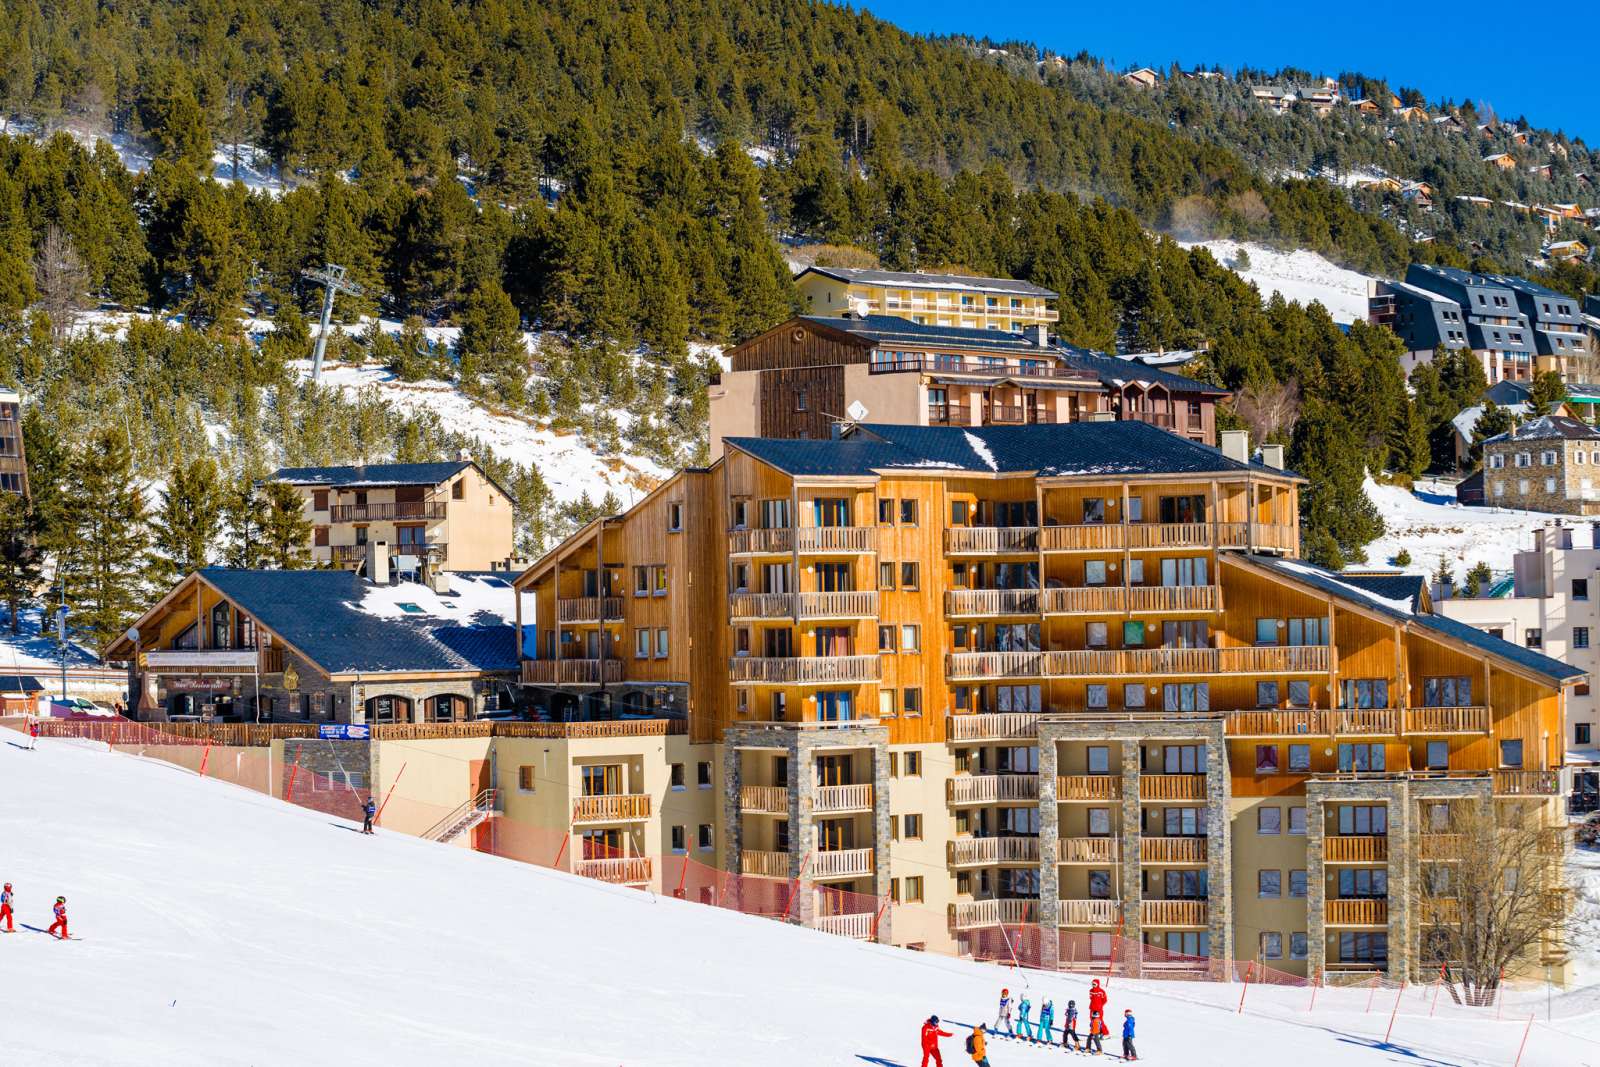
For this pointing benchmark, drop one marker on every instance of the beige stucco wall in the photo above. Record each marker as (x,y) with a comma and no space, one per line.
(479,526)
(901,398)
(922,924)
(430,779)
(734,407)
(1254,852)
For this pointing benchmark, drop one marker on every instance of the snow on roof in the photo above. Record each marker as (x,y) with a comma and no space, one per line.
(471,596)
(1312,571)
(977,444)
(1467,419)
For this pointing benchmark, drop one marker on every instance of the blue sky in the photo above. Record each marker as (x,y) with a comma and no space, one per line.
(1430,48)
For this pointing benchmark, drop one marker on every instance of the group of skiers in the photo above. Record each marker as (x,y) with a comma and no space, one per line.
(1040,1032)
(8,915)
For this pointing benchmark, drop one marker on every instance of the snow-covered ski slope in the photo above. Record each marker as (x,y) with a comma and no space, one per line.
(221,927)
(1300,276)
(1430,525)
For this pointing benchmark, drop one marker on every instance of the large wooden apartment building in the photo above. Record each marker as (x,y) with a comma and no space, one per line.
(1060,674)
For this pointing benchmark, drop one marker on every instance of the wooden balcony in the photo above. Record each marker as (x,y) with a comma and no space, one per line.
(992,789)
(1087,850)
(1088,912)
(842,863)
(1366,722)
(1355,848)
(1172,851)
(991,540)
(973,914)
(1087,537)
(266,660)
(961,602)
(1086,600)
(857,925)
(1090,787)
(992,851)
(842,799)
(1172,913)
(1290,723)
(1261,536)
(571,671)
(979,666)
(1440,848)
(993,726)
(1158,535)
(854,604)
(1247,659)
(615,807)
(764,800)
(422,510)
(1172,787)
(1437,721)
(746,606)
(1439,911)
(1358,912)
(764,864)
(775,542)
(836,540)
(1527,783)
(1174,598)
(626,870)
(593,609)
(802,670)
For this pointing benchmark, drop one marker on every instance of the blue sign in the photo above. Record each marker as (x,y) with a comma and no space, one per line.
(343,732)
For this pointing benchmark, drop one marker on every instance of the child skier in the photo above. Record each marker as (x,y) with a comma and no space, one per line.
(5,908)
(930,1040)
(977,1048)
(1047,1019)
(1024,1025)
(1127,1036)
(368,810)
(1069,1027)
(1004,1016)
(61,920)
(33,733)
(1097,1032)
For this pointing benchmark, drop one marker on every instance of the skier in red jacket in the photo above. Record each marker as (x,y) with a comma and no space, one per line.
(930,1040)
(1097,997)
(61,919)
(5,909)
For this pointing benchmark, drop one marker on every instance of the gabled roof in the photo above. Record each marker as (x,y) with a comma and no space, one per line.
(25,684)
(918,280)
(1548,428)
(1112,370)
(1392,585)
(1103,449)
(892,330)
(373,474)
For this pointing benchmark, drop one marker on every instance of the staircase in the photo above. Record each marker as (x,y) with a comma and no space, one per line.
(465,817)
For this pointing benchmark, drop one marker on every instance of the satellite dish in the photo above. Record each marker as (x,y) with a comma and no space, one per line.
(857,410)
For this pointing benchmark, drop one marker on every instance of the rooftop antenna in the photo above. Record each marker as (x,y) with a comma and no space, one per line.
(332,278)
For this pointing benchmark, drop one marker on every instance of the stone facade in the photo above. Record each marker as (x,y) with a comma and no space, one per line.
(1543,474)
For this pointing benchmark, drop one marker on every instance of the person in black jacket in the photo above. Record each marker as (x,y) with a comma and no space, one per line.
(369,811)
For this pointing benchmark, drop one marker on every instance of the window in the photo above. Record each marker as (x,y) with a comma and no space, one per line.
(1136,572)
(1269,821)
(1580,733)
(1094,572)
(913,764)
(1300,694)
(1095,697)
(1269,884)
(525,779)
(908,576)
(703,774)
(911,638)
(1438,755)
(661,643)
(911,701)
(1580,589)
(1297,883)
(1363,883)
(886,705)
(1449,692)
(1511,753)
(1099,759)
(1094,510)
(1099,822)
(659,574)
(1266,759)
(913,827)
(1549,485)
(680,837)
(1533,637)
(1363,819)
(641,644)
(1361,757)
(1184,759)
(1185,885)
(1496,462)
(885,511)
(1580,637)
(1308,631)
(1547,459)
(886,638)
(886,576)
(908,513)
(1271,945)
(675,517)
(1100,885)
(1297,820)
(1132,634)
(1186,696)
(675,777)
(1095,635)
(741,514)
(458,491)
(1297,945)
(913,890)
(704,838)
(1133,695)
(1266,631)
(1266,694)
(800,400)
(1300,759)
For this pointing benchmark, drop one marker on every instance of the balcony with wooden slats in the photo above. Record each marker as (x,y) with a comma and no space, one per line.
(842,799)
(1262,536)
(1172,787)
(979,666)
(1439,911)
(1086,537)
(1244,659)
(1072,788)
(764,864)
(991,540)
(1164,535)
(850,604)
(1440,848)
(857,925)
(992,851)
(420,510)
(1172,851)
(1294,722)
(1527,783)
(841,863)
(1171,913)
(972,914)
(1085,600)
(622,870)
(993,726)
(992,789)
(571,671)
(589,609)
(764,800)
(1169,599)
(1441,721)
(836,540)
(1087,850)
(1088,912)
(756,542)
(970,602)
(803,670)
(1366,722)
(1355,848)
(1357,912)
(611,807)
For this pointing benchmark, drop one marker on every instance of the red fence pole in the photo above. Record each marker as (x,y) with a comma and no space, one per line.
(789,904)
(205,758)
(294,771)
(562,851)
(1395,1012)
(683,876)
(1373,993)
(1111,957)
(1247,972)
(1500,995)
(1438,987)
(379,816)
(1525,1031)
(881,909)
(1316,980)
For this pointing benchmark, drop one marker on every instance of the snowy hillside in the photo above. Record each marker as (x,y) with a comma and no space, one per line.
(1429,525)
(1300,276)
(221,927)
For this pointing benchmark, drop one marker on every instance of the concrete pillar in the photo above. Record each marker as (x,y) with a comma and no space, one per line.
(1132,834)
(881,835)
(1316,886)
(1049,856)
(802,830)
(1219,856)
(1401,820)
(732,821)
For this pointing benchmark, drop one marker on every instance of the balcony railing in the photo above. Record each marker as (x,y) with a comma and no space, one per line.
(1016,415)
(842,863)
(949,415)
(958,602)
(214,660)
(1172,787)
(1086,600)
(1172,912)
(992,789)
(988,851)
(571,671)
(760,542)
(1366,722)
(764,799)
(761,605)
(589,609)
(972,914)
(962,666)
(991,540)
(1138,536)
(1088,912)
(1072,787)
(961,365)
(854,604)
(1087,850)
(764,864)
(1526,783)
(857,925)
(1166,598)
(1087,537)
(625,870)
(1439,911)
(802,670)
(841,799)
(1260,535)
(1291,723)
(1169,535)
(612,807)
(993,726)
(831,540)
(1355,848)
(1358,912)
(1447,720)
(1272,659)
(1440,847)
(424,510)
(1172,851)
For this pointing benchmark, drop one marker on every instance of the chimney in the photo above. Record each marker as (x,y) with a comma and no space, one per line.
(464,455)
(1272,456)
(1236,445)
(1039,334)
(378,562)
(439,581)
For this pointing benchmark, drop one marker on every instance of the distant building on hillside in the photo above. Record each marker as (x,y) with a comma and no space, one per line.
(957,300)
(1443,307)
(13,459)
(447,516)
(1550,463)
(1143,78)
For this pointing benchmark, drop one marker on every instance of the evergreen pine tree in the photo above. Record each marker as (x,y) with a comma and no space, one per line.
(493,357)
(286,533)
(244,514)
(20,558)
(1546,394)
(105,562)
(189,522)
(1334,507)
(1495,420)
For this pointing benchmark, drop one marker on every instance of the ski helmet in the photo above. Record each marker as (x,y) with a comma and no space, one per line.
(934,1019)
(1003,992)
(61,900)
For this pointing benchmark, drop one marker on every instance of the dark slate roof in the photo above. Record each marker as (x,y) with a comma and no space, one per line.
(320,613)
(1548,428)
(1051,450)
(1113,371)
(891,330)
(20,683)
(373,474)
(1350,587)
(1408,587)
(910,280)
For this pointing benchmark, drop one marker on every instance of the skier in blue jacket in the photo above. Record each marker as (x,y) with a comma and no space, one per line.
(1069,1027)
(1024,1026)
(1127,1036)
(368,811)
(1047,1019)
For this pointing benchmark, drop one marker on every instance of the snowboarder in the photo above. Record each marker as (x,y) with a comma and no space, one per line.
(33,733)
(1047,1020)
(369,810)
(61,920)
(976,1047)
(1069,1027)
(930,1040)
(1127,1036)
(5,909)
(1024,1024)
(1004,1017)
